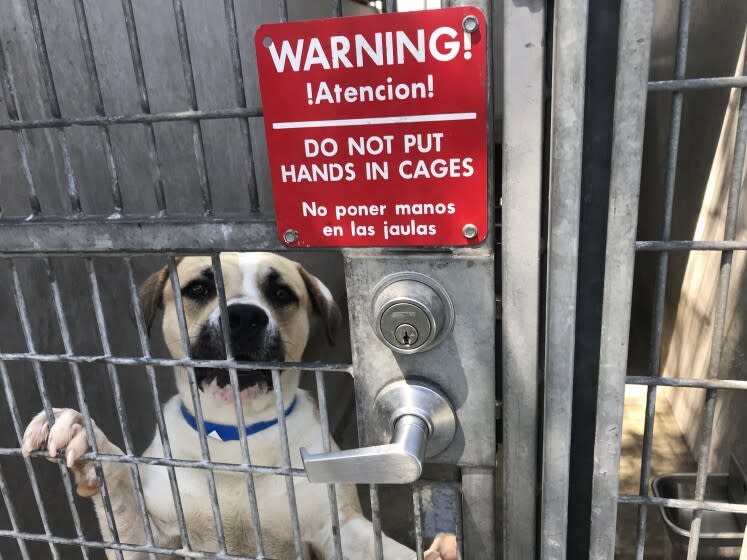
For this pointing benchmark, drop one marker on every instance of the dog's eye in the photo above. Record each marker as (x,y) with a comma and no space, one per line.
(283,296)
(197,290)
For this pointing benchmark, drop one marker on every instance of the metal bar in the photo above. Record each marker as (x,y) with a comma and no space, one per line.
(113,380)
(53,105)
(11,106)
(698,83)
(163,462)
(737,384)
(49,412)
(719,315)
(657,319)
(696,505)
(18,427)
(189,80)
(636,20)
(120,547)
(566,148)
(373,494)
(743,553)
(290,488)
(283,5)
(197,405)
(224,321)
(459,530)
(98,101)
(417,507)
(336,8)
(150,135)
(157,406)
(240,95)
(12,515)
(80,395)
(523,58)
(390,6)
(478,491)
(687,245)
(334,512)
(168,362)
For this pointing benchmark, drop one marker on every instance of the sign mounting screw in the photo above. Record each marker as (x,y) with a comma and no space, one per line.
(470,24)
(469,231)
(290,236)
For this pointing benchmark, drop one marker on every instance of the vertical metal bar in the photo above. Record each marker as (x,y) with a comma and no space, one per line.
(390,6)
(458,522)
(80,394)
(114,381)
(566,147)
(636,21)
(336,8)
(373,492)
(18,427)
(240,95)
(189,80)
(719,316)
(11,105)
(157,406)
(42,386)
(657,320)
(150,135)
(195,393)
(224,320)
(98,101)
(12,515)
(283,5)
(289,484)
(417,509)
(523,56)
(334,513)
(53,104)
(743,552)
(478,487)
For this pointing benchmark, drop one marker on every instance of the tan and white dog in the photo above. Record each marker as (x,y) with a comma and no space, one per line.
(272,303)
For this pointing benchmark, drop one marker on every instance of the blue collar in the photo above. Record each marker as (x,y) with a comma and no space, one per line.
(224,432)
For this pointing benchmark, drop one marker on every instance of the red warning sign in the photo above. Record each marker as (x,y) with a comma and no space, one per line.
(376,128)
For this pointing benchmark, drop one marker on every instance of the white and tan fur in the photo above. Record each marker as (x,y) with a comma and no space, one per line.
(244,275)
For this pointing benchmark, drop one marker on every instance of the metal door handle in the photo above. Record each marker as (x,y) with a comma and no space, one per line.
(421,421)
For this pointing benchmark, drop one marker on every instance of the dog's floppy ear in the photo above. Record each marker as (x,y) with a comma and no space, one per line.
(322,303)
(151,294)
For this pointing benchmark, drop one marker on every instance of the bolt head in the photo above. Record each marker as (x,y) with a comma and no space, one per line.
(470,24)
(290,236)
(469,231)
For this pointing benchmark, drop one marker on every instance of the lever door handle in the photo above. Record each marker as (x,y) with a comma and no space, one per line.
(421,421)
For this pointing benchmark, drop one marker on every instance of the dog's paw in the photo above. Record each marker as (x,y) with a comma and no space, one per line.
(444,547)
(67,435)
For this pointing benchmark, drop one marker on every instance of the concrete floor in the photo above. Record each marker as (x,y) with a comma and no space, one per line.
(670,454)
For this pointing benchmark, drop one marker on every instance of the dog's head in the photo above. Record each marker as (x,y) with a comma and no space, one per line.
(272,303)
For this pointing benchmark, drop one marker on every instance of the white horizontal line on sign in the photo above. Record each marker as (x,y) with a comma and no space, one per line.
(377,120)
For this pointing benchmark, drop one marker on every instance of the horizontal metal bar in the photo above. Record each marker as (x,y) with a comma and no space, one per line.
(691,245)
(171,362)
(685,382)
(699,83)
(184,234)
(135,118)
(704,505)
(124,547)
(163,462)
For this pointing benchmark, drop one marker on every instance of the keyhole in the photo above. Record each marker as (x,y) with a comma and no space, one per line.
(406,339)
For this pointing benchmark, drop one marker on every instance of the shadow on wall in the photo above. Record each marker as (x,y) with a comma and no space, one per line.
(687,351)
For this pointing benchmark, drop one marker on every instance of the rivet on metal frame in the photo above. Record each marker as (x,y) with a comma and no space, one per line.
(470,24)
(469,231)
(290,236)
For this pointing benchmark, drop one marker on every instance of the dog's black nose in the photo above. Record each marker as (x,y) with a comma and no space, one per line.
(246,320)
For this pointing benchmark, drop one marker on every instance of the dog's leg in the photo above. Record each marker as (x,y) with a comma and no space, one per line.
(68,435)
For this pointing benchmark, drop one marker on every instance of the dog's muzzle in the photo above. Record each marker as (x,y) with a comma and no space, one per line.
(252,340)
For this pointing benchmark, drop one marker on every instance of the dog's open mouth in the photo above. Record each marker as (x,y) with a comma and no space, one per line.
(262,379)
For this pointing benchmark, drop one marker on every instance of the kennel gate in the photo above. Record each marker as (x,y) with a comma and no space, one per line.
(66,239)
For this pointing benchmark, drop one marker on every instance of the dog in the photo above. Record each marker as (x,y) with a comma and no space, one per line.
(272,304)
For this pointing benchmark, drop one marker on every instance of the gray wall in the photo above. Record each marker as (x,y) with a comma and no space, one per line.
(703,167)
(226,160)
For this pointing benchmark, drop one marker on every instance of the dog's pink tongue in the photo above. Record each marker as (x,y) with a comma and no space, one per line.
(225,393)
